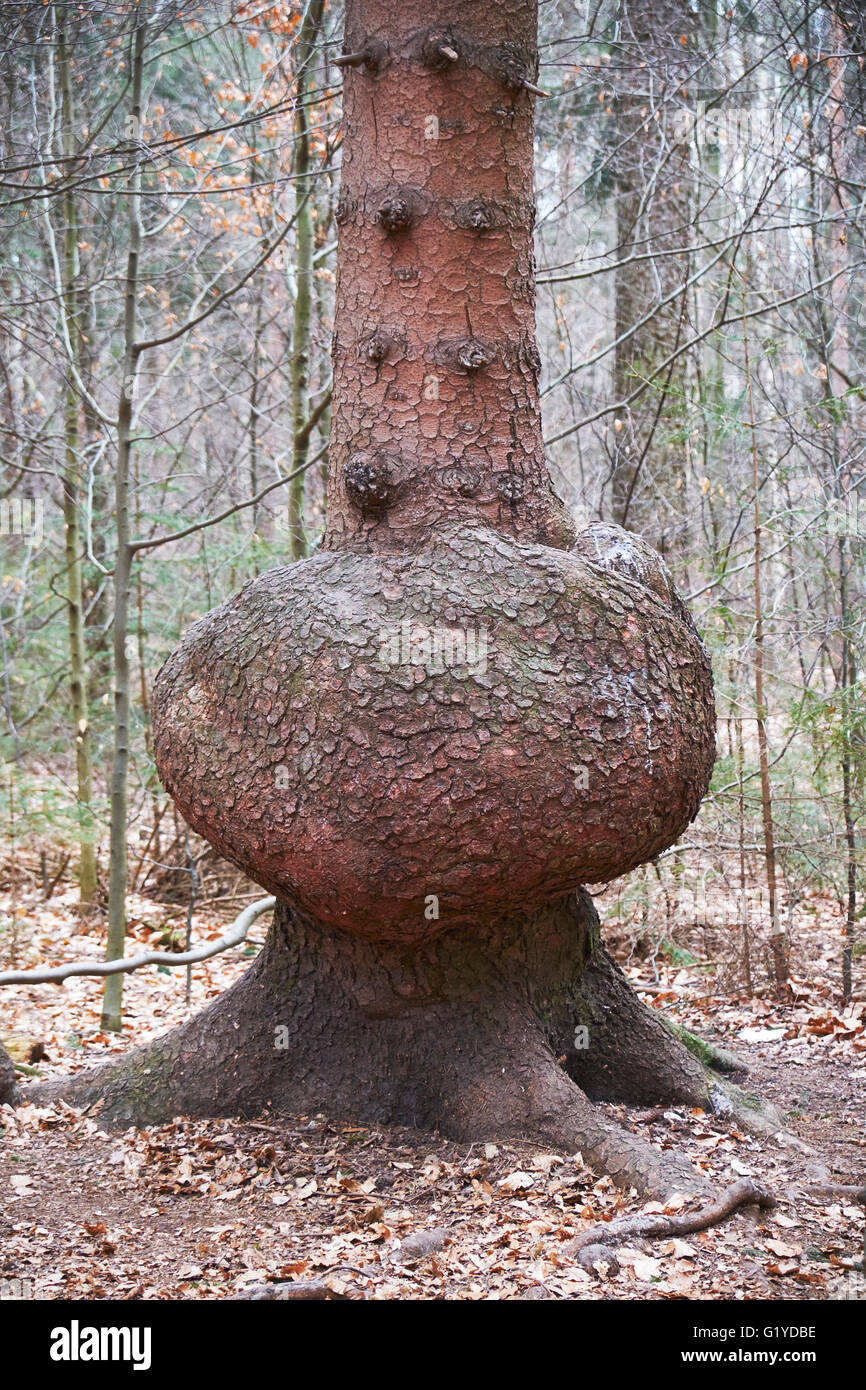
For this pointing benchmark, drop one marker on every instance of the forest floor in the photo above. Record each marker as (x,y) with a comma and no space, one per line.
(197,1210)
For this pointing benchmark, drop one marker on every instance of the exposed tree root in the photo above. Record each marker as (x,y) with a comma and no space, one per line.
(608,1233)
(749,1111)
(835,1191)
(298,1290)
(707,1053)
(510,1032)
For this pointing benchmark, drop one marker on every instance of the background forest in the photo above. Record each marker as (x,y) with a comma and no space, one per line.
(168,221)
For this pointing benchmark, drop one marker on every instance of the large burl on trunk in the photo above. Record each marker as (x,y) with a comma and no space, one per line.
(427,736)
(480,720)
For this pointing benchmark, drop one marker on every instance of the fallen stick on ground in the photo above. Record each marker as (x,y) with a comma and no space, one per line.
(58,973)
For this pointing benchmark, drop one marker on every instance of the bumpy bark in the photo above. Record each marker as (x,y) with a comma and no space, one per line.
(358,778)
(8,1079)
(473,1034)
(435,363)
(424,737)
(445,702)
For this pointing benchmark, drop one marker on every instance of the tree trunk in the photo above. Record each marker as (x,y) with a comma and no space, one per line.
(778,941)
(476,1036)
(654,218)
(835,351)
(303,315)
(71,510)
(424,801)
(113,993)
(435,411)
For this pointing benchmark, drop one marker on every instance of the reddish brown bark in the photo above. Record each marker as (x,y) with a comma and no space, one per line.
(424,819)
(474,1035)
(435,363)
(580,744)
(359,789)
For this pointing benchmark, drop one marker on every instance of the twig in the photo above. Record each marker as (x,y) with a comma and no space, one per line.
(172,959)
(49,889)
(351,60)
(157,820)
(536,91)
(190,911)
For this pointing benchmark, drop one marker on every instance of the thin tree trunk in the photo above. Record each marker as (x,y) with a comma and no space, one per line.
(71,508)
(303,316)
(653,213)
(113,995)
(253,414)
(741,846)
(839,359)
(834,346)
(777,931)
